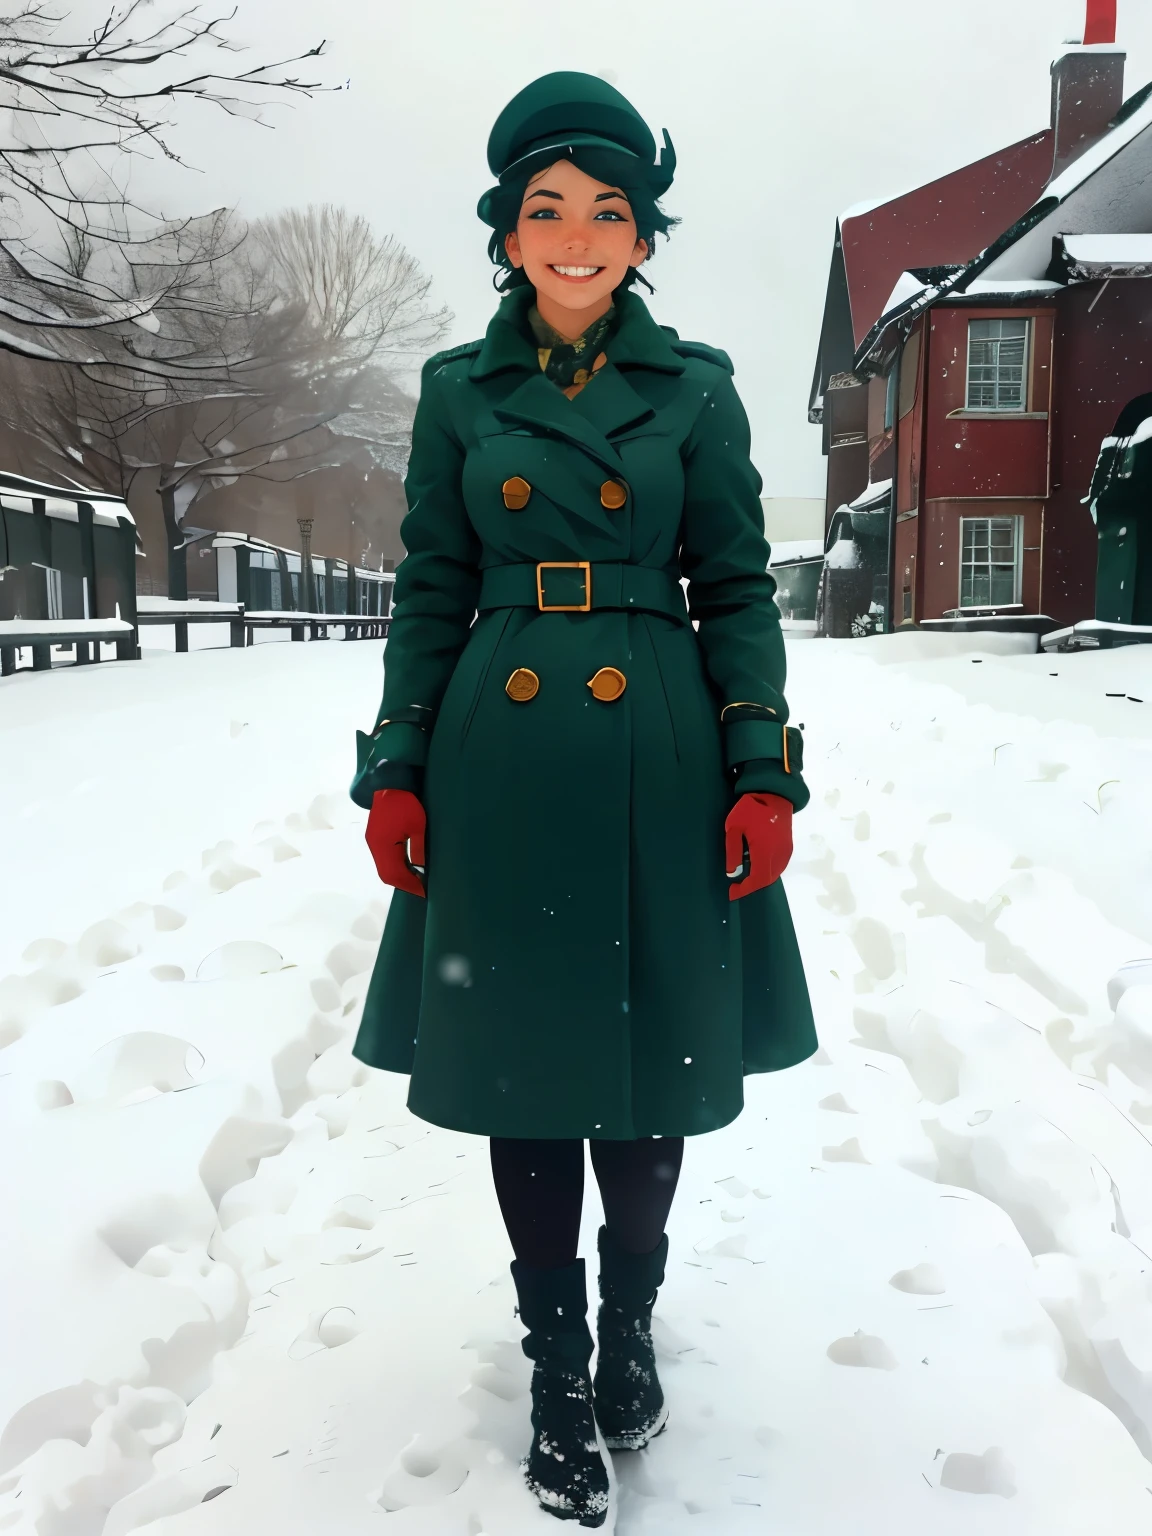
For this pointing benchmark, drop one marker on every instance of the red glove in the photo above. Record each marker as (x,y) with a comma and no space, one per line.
(764,822)
(395,818)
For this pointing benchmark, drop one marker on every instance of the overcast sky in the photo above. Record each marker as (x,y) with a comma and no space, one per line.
(782,113)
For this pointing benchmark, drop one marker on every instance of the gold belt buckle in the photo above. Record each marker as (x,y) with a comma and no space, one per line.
(551,565)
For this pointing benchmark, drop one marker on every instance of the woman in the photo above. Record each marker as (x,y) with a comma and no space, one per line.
(588,938)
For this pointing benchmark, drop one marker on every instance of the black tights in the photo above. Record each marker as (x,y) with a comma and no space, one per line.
(540,1187)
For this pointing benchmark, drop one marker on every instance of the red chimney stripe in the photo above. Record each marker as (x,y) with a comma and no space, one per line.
(1100,25)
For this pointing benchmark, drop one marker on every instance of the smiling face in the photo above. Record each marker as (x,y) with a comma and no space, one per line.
(575,239)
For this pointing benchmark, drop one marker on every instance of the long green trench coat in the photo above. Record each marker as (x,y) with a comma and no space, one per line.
(577,969)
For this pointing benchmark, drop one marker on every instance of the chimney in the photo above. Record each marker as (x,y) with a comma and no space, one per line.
(1100,22)
(1087,86)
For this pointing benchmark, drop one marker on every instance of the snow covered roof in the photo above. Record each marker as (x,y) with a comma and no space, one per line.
(945,222)
(1065,234)
(933,230)
(1088,258)
(992,224)
(872,497)
(1108,189)
(18,493)
(788,551)
(1117,248)
(250,541)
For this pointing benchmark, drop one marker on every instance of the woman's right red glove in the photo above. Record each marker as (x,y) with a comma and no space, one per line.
(397,818)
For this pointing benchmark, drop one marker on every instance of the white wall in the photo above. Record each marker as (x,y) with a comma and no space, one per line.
(793,517)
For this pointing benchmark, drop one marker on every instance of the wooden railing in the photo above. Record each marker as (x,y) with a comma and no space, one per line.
(42,634)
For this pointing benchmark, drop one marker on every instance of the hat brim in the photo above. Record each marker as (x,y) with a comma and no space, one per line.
(658,177)
(568,141)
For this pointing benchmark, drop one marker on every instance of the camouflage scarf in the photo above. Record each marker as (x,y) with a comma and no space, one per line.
(570,362)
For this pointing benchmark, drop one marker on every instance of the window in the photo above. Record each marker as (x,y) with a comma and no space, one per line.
(997,365)
(890,396)
(909,373)
(53,595)
(989,561)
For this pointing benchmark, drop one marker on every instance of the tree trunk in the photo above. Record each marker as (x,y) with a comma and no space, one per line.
(174,538)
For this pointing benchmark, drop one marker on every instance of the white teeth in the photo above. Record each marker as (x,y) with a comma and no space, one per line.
(576,271)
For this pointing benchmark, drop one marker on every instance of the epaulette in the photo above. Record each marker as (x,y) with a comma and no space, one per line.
(702,350)
(465,349)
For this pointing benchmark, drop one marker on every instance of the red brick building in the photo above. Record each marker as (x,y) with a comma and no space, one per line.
(982,335)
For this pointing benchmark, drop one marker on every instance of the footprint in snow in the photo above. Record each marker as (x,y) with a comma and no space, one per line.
(279,849)
(134,1067)
(424,1473)
(989,1473)
(862,1349)
(923,1280)
(326,1329)
(351,1211)
(242,957)
(847,1152)
(881,951)
(838,1103)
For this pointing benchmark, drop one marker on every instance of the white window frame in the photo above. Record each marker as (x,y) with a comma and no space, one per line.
(1001,410)
(53,594)
(1017,522)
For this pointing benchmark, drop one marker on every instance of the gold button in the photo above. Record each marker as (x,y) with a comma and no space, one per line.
(516,493)
(612,495)
(608,684)
(522,685)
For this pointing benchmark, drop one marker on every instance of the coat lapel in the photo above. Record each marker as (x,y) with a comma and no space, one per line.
(540,406)
(605,408)
(609,403)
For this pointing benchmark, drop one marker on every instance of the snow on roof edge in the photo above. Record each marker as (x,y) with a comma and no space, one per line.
(1106,148)
(873,493)
(788,551)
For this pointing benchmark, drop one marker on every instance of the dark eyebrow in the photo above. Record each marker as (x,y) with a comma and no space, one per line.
(603,196)
(543,192)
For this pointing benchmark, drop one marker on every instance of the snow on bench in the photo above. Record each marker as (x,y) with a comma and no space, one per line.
(43,634)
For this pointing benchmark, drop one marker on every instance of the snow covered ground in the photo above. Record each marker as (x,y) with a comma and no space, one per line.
(910,1288)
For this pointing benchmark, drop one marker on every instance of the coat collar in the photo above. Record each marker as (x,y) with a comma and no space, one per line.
(606,407)
(637,342)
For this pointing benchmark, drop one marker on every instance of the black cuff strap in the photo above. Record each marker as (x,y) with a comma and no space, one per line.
(411,714)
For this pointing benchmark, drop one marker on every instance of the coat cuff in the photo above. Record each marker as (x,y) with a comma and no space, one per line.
(764,776)
(745,740)
(395,746)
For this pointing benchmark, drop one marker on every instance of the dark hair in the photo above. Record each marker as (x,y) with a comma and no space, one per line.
(615,170)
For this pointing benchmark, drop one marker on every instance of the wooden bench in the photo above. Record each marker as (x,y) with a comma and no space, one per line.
(163,610)
(42,634)
(357,626)
(159,610)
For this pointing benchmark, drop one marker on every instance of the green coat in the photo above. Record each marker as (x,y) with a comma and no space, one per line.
(577,969)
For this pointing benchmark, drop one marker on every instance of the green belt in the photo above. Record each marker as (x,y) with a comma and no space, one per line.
(577,586)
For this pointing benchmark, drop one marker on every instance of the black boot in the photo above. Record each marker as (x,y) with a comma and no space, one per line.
(564,1468)
(629,1404)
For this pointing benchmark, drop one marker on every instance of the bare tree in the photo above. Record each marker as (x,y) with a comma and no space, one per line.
(262,357)
(366,293)
(75,110)
(78,105)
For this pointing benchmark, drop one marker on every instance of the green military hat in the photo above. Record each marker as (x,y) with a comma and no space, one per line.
(569,110)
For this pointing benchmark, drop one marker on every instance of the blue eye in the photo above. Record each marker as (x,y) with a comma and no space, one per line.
(610,213)
(544,213)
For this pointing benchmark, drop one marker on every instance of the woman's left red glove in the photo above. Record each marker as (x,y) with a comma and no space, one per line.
(396,818)
(764,822)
